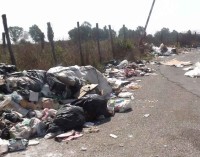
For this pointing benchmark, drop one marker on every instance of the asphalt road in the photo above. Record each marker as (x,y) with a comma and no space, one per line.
(172,128)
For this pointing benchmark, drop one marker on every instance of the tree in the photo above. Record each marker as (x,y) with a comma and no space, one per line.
(15,33)
(50,35)
(85,32)
(123,32)
(35,33)
(139,33)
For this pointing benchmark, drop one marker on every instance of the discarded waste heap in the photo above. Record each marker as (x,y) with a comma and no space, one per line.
(55,103)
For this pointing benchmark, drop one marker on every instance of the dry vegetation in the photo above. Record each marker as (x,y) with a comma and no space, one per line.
(31,56)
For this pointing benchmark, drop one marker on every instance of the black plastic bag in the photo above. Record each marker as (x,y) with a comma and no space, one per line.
(93,107)
(67,118)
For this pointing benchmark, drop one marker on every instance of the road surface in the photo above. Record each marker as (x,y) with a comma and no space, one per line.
(172,128)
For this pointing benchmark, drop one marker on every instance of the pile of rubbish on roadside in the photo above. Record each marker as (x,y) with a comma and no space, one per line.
(63,102)
(163,50)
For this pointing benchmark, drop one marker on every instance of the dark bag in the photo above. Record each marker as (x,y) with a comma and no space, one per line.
(93,107)
(67,118)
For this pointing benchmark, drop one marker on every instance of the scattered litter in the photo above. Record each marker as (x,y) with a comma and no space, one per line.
(188,68)
(83,149)
(163,50)
(17,144)
(195,72)
(125,95)
(113,135)
(130,136)
(33,142)
(3,146)
(120,105)
(146,115)
(68,136)
(88,124)
(91,130)
(133,86)
(177,63)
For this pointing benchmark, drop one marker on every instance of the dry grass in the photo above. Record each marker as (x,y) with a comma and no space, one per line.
(31,56)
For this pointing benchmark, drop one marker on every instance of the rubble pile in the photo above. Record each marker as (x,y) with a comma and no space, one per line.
(59,102)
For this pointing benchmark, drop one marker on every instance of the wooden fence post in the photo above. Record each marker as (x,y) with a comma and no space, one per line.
(79,42)
(98,44)
(12,57)
(124,30)
(111,40)
(42,41)
(4,47)
(50,38)
(177,39)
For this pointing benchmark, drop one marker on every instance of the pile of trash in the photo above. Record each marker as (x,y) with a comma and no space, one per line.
(163,50)
(60,102)
(121,78)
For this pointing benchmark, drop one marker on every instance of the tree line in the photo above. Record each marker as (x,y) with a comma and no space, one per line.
(19,35)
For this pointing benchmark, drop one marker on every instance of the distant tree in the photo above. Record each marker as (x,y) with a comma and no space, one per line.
(103,33)
(138,33)
(88,33)
(50,35)
(174,37)
(73,34)
(15,33)
(25,35)
(35,33)
(85,32)
(128,32)
(165,35)
(150,38)
(121,32)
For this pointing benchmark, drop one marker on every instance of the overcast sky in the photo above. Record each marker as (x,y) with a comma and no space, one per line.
(180,15)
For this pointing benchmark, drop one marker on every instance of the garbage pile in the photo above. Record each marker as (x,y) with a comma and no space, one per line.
(59,102)
(163,50)
(121,78)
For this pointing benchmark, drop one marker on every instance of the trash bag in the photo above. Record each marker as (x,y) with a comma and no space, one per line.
(12,117)
(93,107)
(57,87)
(23,82)
(7,68)
(4,133)
(79,74)
(17,144)
(67,118)
(39,74)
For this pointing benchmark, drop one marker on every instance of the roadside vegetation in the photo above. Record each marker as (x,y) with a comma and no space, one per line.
(38,54)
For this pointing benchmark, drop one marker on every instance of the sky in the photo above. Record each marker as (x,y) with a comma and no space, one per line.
(179,15)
